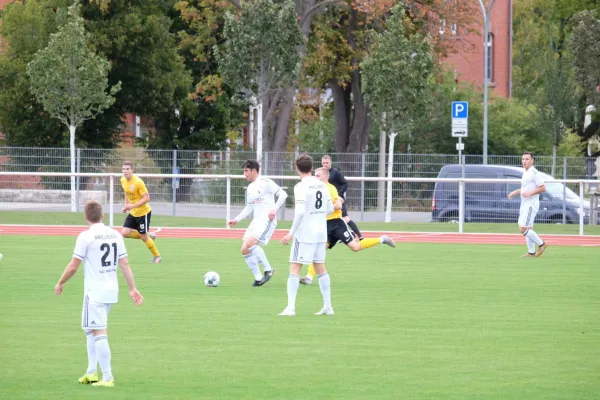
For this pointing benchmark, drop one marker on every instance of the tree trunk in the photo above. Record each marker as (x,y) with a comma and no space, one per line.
(341,111)
(72,154)
(361,125)
(283,121)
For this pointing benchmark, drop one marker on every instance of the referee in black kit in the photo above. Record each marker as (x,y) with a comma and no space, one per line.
(337,179)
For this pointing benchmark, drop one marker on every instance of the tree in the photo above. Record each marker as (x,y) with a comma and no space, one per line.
(70,80)
(340,40)
(541,33)
(585,45)
(25,28)
(397,78)
(260,54)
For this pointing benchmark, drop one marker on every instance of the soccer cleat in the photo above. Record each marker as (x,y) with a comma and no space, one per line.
(152,235)
(528,255)
(305,280)
(541,249)
(388,240)
(267,276)
(257,283)
(156,260)
(89,378)
(110,383)
(287,312)
(325,311)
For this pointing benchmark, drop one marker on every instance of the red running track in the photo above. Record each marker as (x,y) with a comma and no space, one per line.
(407,237)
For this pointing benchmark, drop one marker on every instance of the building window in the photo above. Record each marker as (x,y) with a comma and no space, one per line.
(453,28)
(489,48)
(442,27)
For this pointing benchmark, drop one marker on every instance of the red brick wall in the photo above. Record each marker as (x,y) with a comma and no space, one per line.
(468,61)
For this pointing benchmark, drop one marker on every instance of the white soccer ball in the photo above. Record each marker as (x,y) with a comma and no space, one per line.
(212,279)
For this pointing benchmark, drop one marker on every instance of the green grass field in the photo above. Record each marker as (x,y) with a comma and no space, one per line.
(64,218)
(421,321)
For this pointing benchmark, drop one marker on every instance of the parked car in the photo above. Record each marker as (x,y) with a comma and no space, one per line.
(489,202)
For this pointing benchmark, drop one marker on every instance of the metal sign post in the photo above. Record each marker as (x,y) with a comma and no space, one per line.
(460,129)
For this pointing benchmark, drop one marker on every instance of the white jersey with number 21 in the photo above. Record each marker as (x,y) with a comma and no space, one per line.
(100,248)
(312,196)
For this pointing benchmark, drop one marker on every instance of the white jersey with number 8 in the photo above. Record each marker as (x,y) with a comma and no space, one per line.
(100,248)
(313,199)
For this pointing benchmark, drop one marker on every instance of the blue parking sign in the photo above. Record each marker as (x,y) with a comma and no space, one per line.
(460,109)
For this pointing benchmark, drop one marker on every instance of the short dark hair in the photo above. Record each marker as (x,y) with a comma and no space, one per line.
(304,163)
(93,211)
(530,154)
(128,163)
(252,164)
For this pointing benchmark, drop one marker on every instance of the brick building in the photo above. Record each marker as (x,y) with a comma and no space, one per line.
(467,63)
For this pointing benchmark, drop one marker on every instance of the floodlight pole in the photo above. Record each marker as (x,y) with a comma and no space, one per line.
(486,32)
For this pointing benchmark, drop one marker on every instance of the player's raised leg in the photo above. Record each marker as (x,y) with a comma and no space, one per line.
(249,245)
(143,229)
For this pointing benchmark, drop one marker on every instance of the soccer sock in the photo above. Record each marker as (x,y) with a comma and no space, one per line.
(370,242)
(292,289)
(91,352)
(261,257)
(150,244)
(134,235)
(103,352)
(531,235)
(253,265)
(353,226)
(311,271)
(530,245)
(325,285)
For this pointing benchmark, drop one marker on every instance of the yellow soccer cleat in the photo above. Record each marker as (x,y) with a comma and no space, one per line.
(89,378)
(110,383)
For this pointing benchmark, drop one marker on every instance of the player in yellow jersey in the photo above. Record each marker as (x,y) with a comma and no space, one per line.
(137,223)
(338,230)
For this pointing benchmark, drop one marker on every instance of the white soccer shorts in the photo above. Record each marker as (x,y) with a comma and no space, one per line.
(527,216)
(306,253)
(94,315)
(261,230)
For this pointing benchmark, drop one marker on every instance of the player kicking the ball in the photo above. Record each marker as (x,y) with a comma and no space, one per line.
(532,184)
(101,249)
(260,198)
(338,230)
(312,206)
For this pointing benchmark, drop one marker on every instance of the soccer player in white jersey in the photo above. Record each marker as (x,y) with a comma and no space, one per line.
(312,206)
(101,249)
(532,184)
(260,199)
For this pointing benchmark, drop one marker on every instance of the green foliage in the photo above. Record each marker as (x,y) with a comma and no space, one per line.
(572,145)
(68,78)
(513,125)
(136,37)
(585,45)
(317,136)
(260,53)
(397,75)
(25,28)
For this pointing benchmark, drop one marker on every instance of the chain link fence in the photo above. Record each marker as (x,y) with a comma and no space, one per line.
(205,197)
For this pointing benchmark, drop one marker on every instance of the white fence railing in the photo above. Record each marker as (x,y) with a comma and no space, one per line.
(457,200)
